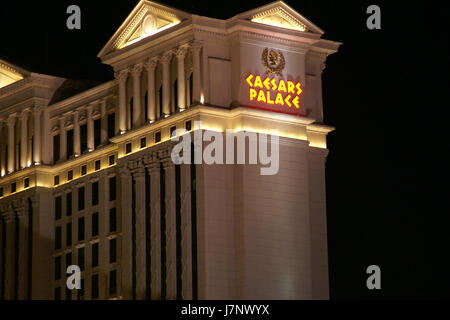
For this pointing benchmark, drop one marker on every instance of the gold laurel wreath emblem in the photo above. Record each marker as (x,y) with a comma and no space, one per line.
(275,67)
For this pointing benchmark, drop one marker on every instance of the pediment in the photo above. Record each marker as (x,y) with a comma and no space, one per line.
(10,73)
(147,18)
(279,14)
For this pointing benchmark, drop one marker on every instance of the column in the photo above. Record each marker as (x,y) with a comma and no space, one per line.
(196,87)
(104,123)
(165,60)
(181,54)
(9,220)
(138,172)
(76,134)
(171,253)
(126,289)
(153,167)
(151,95)
(186,232)
(11,141)
(37,135)
(90,128)
(122,77)
(137,108)
(23,139)
(22,214)
(62,138)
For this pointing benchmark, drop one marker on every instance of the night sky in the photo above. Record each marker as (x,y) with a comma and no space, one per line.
(387,185)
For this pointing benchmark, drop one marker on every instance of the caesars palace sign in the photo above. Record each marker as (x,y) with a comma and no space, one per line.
(271,90)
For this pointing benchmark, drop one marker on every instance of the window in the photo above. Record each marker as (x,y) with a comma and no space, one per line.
(80,292)
(95,193)
(128,148)
(80,198)
(112,282)
(58,238)
(111,125)
(95,224)
(13,187)
(143,142)
(131,112)
(58,268)
(81,229)
(146,107)
(58,207)
(157,136)
(83,170)
(172,131)
(58,293)
(112,250)
(69,141)
(68,294)
(94,287)
(97,132)
(81,260)
(56,180)
(69,175)
(83,138)
(95,255)
(112,188)
(112,220)
(97,165)
(56,148)
(69,234)
(69,204)
(1,192)
(26,182)
(188,125)
(111,160)
(68,259)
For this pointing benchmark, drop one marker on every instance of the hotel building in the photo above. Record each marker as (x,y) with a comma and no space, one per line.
(87,179)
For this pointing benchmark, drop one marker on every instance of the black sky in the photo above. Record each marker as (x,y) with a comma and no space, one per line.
(387,187)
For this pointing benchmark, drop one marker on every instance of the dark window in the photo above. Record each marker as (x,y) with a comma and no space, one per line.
(1,192)
(131,112)
(56,180)
(13,187)
(26,182)
(80,198)
(69,234)
(68,294)
(112,250)
(143,142)
(111,125)
(112,282)
(58,238)
(58,293)
(95,224)
(81,229)
(188,125)
(69,139)
(95,193)
(81,259)
(69,175)
(56,148)
(97,132)
(95,255)
(68,259)
(111,160)
(83,170)
(83,138)
(112,188)
(112,220)
(94,287)
(58,207)
(80,292)
(146,107)
(172,131)
(128,148)
(97,165)
(160,95)
(69,204)
(175,95)
(157,136)
(58,268)
(190,90)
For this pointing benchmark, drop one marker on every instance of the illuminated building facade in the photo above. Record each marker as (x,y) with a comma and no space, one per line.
(88,179)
